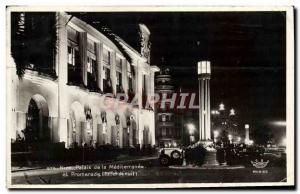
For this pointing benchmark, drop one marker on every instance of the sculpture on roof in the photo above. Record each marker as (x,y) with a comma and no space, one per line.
(145,41)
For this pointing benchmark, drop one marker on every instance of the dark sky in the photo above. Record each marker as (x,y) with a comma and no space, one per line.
(246,49)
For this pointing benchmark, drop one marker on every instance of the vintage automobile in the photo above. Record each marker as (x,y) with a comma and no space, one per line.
(170,156)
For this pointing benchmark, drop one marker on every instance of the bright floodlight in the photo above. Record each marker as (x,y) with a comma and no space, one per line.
(191,128)
(204,67)
(251,142)
(232,112)
(216,133)
(221,106)
(279,123)
(247,126)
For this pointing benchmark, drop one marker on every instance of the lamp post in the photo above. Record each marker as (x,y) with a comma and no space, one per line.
(230,138)
(104,126)
(128,123)
(247,138)
(221,107)
(191,128)
(232,112)
(216,135)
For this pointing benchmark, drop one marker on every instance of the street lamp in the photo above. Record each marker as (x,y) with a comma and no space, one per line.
(216,135)
(250,142)
(215,112)
(230,138)
(232,112)
(221,107)
(191,128)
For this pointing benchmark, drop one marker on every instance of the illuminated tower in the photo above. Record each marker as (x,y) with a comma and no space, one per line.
(166,133)
(247,138)
(204,72)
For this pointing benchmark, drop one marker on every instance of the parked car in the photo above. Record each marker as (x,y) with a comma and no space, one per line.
(170,156)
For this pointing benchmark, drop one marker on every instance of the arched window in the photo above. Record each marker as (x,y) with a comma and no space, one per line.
(32,129)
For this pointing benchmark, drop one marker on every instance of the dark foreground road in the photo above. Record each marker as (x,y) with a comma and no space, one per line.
(147,172)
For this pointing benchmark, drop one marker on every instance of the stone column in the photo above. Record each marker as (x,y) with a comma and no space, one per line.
(124,76)
(62,66)
(113,75)
(131,135)
(83,55)
(99,59)
(70,131)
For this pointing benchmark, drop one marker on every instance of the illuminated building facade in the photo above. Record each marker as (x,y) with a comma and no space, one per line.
(76,106)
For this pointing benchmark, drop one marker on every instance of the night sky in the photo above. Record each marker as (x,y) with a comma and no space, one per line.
(246,49)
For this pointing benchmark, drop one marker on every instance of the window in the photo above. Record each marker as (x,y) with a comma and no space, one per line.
(91,66)
(119,78)
(106,56)
(106,73)
(167,118)
(168,131)
(119,82)
(119,74)
(91,57)
(163,131)
(71,56)
(119,63)
(163,118)
(92,74)
(74,66)
(129,75)
(107,85)
(130,86)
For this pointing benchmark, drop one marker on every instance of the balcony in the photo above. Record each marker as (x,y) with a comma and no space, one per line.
(164,87)
(163,79)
